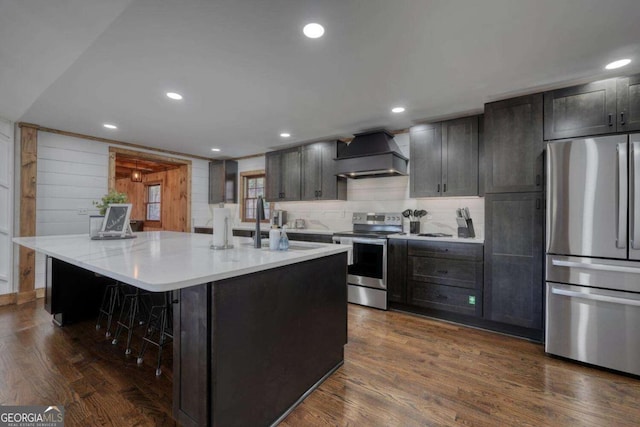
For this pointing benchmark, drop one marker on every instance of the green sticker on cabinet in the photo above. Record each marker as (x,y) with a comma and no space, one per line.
(472,300)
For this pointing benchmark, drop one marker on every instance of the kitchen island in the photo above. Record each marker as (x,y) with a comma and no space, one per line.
(254,330)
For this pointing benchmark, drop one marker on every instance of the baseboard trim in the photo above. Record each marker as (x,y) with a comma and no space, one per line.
(8,299)
(21,298)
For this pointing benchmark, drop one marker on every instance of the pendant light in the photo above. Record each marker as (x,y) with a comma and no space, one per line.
(136,175)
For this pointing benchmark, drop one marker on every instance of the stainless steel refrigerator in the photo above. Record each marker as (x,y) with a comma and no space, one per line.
(593,251)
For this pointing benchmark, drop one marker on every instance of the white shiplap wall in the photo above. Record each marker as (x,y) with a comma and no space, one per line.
(6,206)
(378,195)
(73,173)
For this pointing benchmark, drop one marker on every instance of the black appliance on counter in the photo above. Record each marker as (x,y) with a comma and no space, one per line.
(367,271)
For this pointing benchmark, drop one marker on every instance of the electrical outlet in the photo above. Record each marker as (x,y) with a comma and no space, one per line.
(83,211)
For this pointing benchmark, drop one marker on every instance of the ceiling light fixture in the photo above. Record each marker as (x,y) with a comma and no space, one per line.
(285,135)
(313,30)
(110,126)
(136,174)
(174,95)
(215,149)
(617,64)
(397,110)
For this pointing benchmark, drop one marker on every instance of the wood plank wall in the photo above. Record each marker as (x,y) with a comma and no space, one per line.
(175,205)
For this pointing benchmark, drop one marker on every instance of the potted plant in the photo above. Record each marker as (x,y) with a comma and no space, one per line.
(107,199)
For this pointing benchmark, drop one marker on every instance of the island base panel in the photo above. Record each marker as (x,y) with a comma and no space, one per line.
(72,293)
(272,336)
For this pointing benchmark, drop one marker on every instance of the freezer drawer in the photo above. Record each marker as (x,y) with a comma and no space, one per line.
(593,325)
(619,275)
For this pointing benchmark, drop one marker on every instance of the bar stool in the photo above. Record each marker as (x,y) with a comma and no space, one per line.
(110,301)
(129,313)
(159,329)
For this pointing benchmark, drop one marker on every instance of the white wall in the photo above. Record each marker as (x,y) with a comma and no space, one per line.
(6,206)
(377,195)
(73,173)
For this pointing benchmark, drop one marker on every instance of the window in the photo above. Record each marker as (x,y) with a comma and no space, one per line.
(153,197)
(252,186)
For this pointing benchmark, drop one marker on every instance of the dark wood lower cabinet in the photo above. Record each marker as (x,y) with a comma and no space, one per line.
(444,276)
(514,249)
(397,270)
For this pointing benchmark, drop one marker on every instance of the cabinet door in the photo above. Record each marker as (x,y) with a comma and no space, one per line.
(273,170)
(460,157)
(333,187)
(216,182)
(290,174)
(426,161)
(513,145)
(397,271)
(628,96)
(513,282)
(588,109)
(311,171)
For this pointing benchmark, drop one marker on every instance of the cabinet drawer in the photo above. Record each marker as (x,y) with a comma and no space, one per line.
(466,274)
(466,251)
(447,298)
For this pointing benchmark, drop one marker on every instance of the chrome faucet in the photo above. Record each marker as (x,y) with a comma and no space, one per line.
(257,243)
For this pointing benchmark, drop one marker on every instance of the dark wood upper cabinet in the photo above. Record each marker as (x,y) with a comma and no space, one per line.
(319,180)
(513,145)
(223,179)
(425,149)
(514,248)
(588,109)
(444,158)
(282,170)
(460,157)
(628,98)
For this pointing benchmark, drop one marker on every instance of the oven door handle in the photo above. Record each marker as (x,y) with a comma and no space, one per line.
(367,241)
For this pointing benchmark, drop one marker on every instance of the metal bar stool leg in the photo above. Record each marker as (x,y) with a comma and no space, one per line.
(107,308)
(127,319)
(159,321)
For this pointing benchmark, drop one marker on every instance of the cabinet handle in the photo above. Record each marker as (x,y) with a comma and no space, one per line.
(610,119)
(437,191)
(538,180)
(442,271)
(622,123)
(440,296)
(537,203)
(319,193)
(444,188)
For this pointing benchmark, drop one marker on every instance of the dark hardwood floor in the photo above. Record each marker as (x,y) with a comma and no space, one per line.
(399,370)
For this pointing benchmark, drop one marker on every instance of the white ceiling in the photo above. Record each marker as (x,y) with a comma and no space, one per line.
(247,73)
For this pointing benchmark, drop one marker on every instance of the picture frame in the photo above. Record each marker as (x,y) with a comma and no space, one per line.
(116,221)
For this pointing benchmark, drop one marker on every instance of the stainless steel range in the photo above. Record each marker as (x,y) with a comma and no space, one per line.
(367,271)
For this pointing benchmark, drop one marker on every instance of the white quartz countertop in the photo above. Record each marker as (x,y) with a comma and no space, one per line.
(160,261)
(265,227)
(452,239)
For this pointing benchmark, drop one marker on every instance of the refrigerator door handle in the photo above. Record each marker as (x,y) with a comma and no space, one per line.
(595,297)
(597,267)
(635,195)
(621,218)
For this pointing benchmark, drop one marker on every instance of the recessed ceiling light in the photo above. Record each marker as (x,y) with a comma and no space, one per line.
(617,64)
(313,30)
(397,110)
(285,135)
(174,95)
(215,149)
(110,126)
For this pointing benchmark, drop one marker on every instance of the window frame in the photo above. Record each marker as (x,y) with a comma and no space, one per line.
(244,179)
(150,222)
